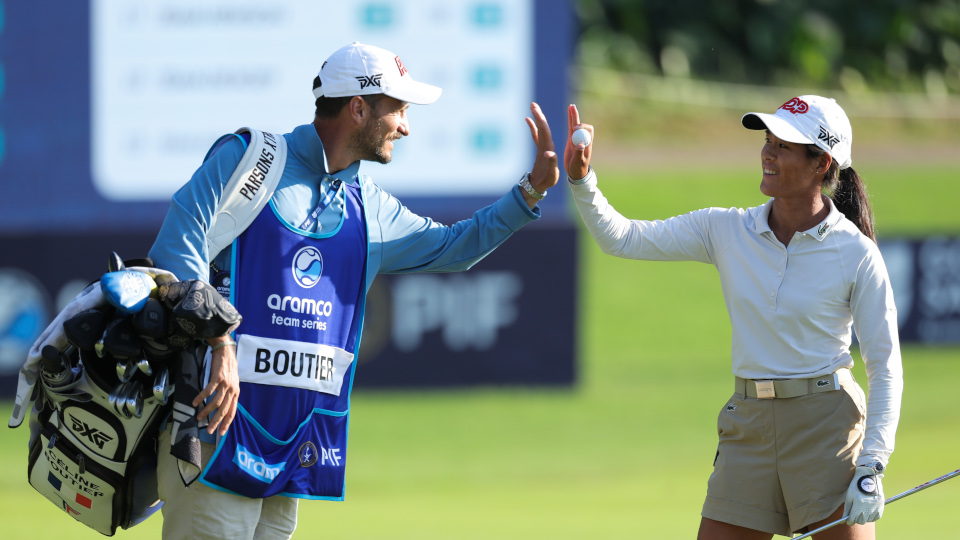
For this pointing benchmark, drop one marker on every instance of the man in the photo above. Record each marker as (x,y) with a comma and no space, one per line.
(299,276)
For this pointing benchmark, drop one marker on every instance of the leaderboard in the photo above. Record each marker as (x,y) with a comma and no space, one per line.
(170,76)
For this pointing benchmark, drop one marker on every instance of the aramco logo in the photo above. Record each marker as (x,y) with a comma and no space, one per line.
(307,267)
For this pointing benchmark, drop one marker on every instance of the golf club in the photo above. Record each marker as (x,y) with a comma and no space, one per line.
(161,385)
(895,498)
(114,396)
(133,401)
(121,399)
(126,370)
(144,365)
(115,263)
(119,340)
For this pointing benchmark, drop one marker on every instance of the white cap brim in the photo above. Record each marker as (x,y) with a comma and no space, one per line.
(778,126)
(414,92)
(410,91)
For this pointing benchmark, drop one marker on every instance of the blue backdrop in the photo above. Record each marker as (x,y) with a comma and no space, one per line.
(56,229)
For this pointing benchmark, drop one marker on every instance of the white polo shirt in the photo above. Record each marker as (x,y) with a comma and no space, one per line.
(791,307)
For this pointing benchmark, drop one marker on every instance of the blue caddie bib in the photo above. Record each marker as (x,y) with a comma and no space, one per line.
(302,297)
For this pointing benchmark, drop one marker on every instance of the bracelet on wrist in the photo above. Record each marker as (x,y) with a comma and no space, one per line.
(223,344)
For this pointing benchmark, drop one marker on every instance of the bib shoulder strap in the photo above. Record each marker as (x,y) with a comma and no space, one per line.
(248,190)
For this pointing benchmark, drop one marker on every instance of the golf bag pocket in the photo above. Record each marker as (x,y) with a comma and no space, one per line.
(311,464)
(82,487)
(96,430)
(101,493)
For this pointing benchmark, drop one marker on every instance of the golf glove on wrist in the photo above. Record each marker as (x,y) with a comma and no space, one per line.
(864,501)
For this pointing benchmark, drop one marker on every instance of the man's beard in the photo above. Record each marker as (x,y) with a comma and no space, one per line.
(370,144)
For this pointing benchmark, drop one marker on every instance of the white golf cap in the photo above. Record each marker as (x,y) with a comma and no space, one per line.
(809,120)
(361,70)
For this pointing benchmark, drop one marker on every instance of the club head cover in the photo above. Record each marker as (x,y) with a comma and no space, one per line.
(198,311)
(119,340)
(127,290)
(179,342)
(151,321)
(84,329)
(51,361)
(170,294)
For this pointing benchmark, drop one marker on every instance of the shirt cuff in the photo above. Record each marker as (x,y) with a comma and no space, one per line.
(506,208)
(867,458)
(589,176)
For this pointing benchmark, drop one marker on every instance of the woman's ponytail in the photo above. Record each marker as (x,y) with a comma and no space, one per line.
(848,193)
(850,198)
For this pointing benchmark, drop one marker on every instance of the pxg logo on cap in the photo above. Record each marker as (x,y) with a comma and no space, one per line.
(307,266)
(359,69)
(809,119)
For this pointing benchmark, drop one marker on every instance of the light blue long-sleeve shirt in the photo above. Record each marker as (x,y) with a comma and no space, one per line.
(400,241)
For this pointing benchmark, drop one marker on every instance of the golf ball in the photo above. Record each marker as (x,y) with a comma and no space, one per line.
(580,136)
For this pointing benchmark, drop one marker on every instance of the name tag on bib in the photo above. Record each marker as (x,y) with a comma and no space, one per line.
(280,362)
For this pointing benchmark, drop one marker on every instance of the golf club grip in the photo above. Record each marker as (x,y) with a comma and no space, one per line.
(893,499)
(50,360)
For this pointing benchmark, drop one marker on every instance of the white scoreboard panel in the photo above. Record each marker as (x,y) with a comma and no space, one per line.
(170,76)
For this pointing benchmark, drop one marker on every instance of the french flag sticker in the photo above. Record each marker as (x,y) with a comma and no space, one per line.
(83,501)
(54,481)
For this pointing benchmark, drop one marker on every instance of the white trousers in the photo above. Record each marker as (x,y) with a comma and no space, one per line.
(200,512)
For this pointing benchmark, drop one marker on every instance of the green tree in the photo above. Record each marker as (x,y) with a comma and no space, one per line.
(902,45)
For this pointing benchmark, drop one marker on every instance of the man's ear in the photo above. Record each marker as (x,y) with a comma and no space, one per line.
(359,109)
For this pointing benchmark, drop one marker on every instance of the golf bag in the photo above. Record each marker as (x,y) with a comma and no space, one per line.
(103,372)
(94,424)
(97,466)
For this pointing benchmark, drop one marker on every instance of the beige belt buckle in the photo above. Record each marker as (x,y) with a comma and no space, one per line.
(765,390)
(831,382)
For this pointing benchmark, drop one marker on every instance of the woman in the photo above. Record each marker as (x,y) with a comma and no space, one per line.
(798,449)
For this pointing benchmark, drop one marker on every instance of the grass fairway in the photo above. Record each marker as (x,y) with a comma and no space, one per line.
(626,453)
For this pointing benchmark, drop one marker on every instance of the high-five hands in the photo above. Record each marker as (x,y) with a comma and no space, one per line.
(545,171)
(576,158)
